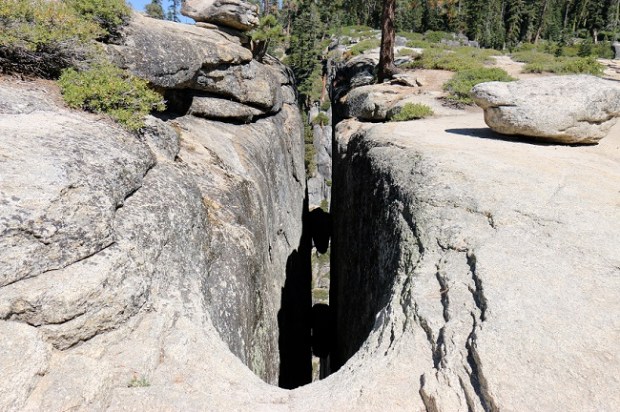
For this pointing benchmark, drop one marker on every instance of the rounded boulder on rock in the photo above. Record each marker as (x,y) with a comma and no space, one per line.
(558,109)
(237,14)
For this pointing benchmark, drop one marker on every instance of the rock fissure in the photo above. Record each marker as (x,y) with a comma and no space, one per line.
(478,291)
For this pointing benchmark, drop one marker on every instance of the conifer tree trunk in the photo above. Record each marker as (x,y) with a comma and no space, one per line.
(386,57)
(542,21)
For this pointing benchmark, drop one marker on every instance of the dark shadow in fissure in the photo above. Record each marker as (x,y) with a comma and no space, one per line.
(295,318)
(487,133)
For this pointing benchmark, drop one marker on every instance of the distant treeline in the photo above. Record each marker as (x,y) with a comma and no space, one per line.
(493,23)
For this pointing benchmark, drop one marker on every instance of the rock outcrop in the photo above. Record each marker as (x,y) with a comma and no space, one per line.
(156,260)
(171,55)
(237,14)
(482,272)
(563,109)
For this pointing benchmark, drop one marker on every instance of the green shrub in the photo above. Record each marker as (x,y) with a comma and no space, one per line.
(105,88)
(532,56)
(42,38)
(419,44)
(437,36)
(325,106)
(353,31)
(109,14)
(406,52)
(411,35)
(309,159)
(138,382)
(310,150)
(460,85)
(563,65)
(320,295)
(364,45)
(321,120)
(460,58)
(412,111)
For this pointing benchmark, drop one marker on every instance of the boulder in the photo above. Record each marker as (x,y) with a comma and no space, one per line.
(223,109)
(169,55)
(237,14)
(358,71)
(373,102)
(252,83)
(400,41)
(561,109)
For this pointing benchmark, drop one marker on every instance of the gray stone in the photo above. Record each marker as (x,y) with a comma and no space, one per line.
(117,263)
(562,109)
(216,108)
(486,272)
(162,139)
(231,34)
(169,54)
(237,14)
(319,185)
(251,83)
(400,41)
(356,72)
(616,47)
(371,103)
(23,358)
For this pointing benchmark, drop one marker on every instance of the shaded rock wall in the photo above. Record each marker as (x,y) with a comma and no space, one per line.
(157,256)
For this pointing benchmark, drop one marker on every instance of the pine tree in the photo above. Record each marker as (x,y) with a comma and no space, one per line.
(173,10)
(154,9)
(388,34)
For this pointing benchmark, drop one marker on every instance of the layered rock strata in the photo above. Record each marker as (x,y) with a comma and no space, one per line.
(237,14)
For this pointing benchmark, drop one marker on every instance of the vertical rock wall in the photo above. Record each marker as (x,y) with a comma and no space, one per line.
(147,261)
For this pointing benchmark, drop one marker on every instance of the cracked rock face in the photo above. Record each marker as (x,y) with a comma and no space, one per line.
(562,109)
(492,267)
(237,14)
(160,256)
(169,55)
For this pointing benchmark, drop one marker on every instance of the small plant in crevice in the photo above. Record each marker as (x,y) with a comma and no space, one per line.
(321,295)
(105,88)
(412,111)
(138,382)
(321,120)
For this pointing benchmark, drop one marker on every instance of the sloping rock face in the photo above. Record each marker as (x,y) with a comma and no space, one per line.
(561,109)
(160,257)
(491,265)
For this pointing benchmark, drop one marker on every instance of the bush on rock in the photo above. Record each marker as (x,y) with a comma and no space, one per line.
(104,88)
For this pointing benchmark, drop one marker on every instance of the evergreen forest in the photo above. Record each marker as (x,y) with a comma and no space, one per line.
(302,28)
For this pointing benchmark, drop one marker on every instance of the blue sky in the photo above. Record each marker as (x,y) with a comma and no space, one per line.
(139,5)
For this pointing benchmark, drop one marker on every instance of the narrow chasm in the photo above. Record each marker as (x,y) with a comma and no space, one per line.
(305,318)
